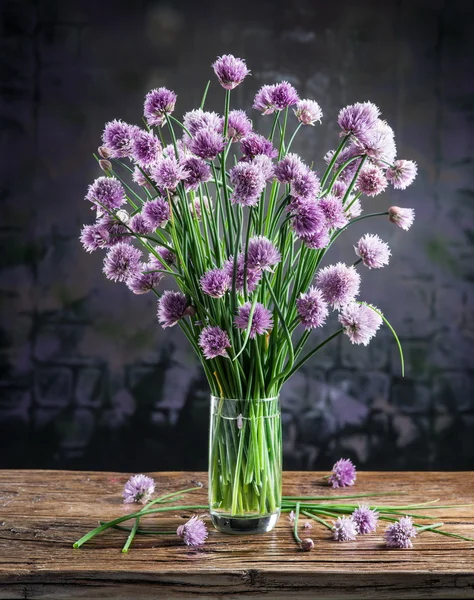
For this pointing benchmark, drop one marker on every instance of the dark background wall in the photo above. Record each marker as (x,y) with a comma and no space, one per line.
(88,379)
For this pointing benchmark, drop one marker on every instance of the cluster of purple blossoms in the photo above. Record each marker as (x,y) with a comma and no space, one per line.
(197,119)
(144,280)
(399,534)
(167,172)
(402,173)
(289,167)
(166,258)
(121,262)
(373,252)
(305,185)
(380,144)
(94,237)
(253,275)
(343,473)
(317,240)
(312,308)
(146,148)
(214,341)
(139,488)
(403,217)
(117,231)
(308,112)
(262,254)
(266,166)
(118,138)
(106,192)
(254,145)
(206,143)
(196,171)
(238,125)
(371,181)
(262,320)
(230,71)
(366,519)
(215,283)
(359,120)
(138,176)
(270,98)
(360,322)
(156,213)
(333,210)
(339,284)
(248,181)
(139,225)
(158,103)
(307,218)
(172,307)
(193,533)
(345,529)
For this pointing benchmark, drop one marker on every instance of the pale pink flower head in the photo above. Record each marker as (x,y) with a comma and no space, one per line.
(262,320)
(230,71)
(339,284)
(139,488)
(197,119)
(312,308)
(333,211)
(360,322)
(380,144)
(374,252)
(371,181)
(399,534)
(402,173)
(248,182)
(345,529)
(266,166)
(403,217)
(359,120)
(308,112)
(193,533)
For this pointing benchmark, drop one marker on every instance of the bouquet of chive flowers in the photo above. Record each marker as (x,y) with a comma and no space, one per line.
(241,225)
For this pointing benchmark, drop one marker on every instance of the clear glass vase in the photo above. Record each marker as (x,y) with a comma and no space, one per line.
(245,464)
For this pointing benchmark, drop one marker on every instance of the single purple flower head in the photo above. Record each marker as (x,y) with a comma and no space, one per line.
(360,322)
(121,262)
(339,284)
(262,320)
(159,103)
(345,529)
(140,225)
(343,473)
(106,192)
(290,168)
(207,143)
(403,217)
(193,533)
(139,488)
(214,341)
(307,545)
(255,144)
(263,100)
(305,185)
(373,251)
(195,120)
(308,217)
(262,254)
(138,176)
(402,173)
(365,518)
(265,165)
(333,210)
(248,181)
(399,534)
(215,283)
(167,172)
(353,208)
(238,126)
(371,181)
(312,308)
(317,240)
(93,237)
(118,232)
(144,280)
(253,276)
(146,148)
(230,71)
(308,112)
(380,145)
(339,188)
(166,257)
(156,213)
(197,171)
(172,306)
(118,138)
(359,120)
(283,95)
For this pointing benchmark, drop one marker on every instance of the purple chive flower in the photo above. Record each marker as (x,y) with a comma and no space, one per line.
(207,143)
(283,95)
(333,210)
(215,283)
(262,320)
(248,181)
(121,262)
(312,308)
(138,176)
(140,225)
(193,533)
(146,148)
(159,103)
(238,126)
(262,254)
(118,138)
(118,233)
(399,534)
(307,545)
(373,251)
(253,276)
(230,71)
(353,208)
(194,120)
(308,217)
(403,217)
(139,488)
(339,189)
(359,120)
(343,473)
(167,172)
(317,240)
(172,307)
(144,281)
(380,143)
(402,173)
(255,144)
(345,529)
(339,284)
(263,100)
(289,168)
(308,112)
(360,322)
(365,518)
(156,213)
(265,165)
(197,171)
(106,192)
(214,341)
(93,237)
(371,181)
(305,185)
(166,257)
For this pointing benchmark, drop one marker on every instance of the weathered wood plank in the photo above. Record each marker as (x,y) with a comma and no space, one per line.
(43,512)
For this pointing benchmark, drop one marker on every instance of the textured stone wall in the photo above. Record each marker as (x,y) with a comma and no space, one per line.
(88,379)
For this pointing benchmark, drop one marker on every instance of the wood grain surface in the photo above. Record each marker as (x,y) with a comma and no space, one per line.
(43,512)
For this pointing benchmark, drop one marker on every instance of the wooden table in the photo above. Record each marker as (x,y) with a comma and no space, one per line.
(43,512)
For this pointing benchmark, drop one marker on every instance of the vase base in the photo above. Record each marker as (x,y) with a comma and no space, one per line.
(244,525)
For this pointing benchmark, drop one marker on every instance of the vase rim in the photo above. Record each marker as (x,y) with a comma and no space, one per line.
(269,399)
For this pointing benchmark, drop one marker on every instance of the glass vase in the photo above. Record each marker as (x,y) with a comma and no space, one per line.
(245,464)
